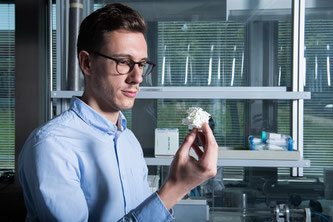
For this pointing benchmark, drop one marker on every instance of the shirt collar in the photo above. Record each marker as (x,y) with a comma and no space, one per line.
(96,120)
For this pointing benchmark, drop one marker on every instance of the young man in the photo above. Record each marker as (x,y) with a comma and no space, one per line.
(85,164)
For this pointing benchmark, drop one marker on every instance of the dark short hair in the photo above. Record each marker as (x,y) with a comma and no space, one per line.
(111,17)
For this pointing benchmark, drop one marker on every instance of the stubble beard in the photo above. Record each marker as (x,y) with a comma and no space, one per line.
(109,101)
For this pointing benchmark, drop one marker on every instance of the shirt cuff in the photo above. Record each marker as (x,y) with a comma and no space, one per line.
(152,209)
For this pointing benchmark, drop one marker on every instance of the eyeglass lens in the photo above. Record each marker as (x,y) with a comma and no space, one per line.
(126,67)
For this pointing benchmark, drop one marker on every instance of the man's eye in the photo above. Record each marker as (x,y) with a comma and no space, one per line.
(142,64)
(125,62)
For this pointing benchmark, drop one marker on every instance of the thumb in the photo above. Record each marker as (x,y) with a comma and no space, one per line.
(188,141)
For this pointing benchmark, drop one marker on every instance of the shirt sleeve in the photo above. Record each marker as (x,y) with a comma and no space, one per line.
(150,210)
(51,182)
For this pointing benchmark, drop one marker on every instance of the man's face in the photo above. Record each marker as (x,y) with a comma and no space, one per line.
(112,91)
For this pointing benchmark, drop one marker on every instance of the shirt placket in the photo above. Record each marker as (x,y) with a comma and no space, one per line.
(122,173)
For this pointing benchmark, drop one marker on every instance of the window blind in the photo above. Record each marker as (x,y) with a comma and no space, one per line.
(201,54)
(318,112)
(7,86)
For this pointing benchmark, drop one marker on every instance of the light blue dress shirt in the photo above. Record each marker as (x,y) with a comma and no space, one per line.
(80,167)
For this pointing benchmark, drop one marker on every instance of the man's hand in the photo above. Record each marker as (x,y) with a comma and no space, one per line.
(186,172)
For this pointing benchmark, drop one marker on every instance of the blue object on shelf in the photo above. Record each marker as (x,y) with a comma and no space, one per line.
(263,136)
(290,144)
(271,141)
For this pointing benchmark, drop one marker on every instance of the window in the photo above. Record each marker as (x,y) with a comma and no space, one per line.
(7,86)
(318,112)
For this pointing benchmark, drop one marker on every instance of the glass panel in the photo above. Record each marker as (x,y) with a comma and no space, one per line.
(217,43)
(228,117)
(234,120)
(318,112)
(201,53)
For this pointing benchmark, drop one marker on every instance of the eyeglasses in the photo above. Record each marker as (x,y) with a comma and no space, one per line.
(126,65)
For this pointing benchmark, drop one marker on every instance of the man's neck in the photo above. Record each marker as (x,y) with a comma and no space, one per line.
(110,115)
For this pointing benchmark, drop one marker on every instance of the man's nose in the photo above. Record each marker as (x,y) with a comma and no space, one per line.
(136,74)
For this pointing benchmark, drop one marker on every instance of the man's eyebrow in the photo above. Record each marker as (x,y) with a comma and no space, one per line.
(127,56)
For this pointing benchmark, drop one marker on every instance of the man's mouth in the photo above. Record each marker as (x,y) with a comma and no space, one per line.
(130,93)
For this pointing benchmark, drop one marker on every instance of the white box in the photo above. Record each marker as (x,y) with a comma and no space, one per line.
(166,141)
(191,210)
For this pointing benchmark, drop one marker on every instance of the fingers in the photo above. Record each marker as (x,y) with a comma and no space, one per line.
(201,134)
(208,131)
(202,138)
(188,141)
(206,137)
(208,142)
(197,150)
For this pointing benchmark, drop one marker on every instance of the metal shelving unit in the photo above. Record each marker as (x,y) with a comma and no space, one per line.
(295,94)
(247,159)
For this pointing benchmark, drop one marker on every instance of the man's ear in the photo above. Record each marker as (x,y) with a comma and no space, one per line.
(85,62)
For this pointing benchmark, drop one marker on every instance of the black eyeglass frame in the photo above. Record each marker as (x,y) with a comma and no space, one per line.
(131,66)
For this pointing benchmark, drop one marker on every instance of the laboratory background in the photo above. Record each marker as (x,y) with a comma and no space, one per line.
(261,68)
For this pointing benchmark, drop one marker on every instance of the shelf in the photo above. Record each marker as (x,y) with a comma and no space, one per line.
(246,158)
(65,94)
(220,93)
(166,161)
(206,93)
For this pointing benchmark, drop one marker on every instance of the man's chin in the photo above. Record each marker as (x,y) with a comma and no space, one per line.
(127,107)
